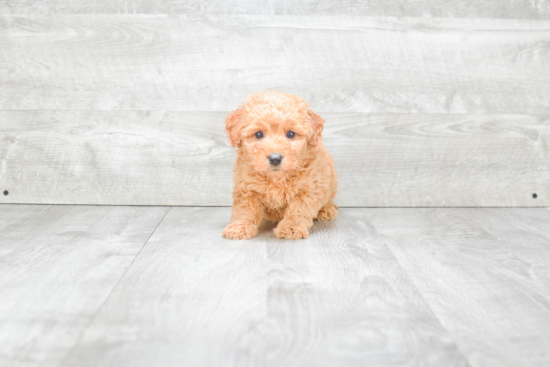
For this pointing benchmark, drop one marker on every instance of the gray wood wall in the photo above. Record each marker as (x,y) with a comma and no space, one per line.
(428,103)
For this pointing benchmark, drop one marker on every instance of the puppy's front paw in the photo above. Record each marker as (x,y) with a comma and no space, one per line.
(240,230)
(291,230)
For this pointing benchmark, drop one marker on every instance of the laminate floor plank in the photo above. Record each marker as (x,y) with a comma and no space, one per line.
(58,264)
(484,272)
(341,299)
(378,287)
(191,298)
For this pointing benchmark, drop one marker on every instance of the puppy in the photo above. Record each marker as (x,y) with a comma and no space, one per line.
(283,172)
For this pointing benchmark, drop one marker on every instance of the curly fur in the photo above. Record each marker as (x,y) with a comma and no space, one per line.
(293,193)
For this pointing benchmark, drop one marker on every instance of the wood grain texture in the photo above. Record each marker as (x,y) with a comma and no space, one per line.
(58,264)
(183,158)
(337,63)
(341,299)
(484,273)
(411,8)
(132,158)
(384,287)
(192,298)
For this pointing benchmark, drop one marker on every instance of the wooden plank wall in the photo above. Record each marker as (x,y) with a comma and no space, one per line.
(428,103)
(516,9)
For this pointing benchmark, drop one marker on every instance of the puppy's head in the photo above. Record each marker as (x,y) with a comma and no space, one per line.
(275,130)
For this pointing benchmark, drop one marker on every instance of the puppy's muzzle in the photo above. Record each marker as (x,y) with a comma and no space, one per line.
(275,159)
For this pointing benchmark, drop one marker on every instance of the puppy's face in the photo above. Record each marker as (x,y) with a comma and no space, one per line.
(274,141)
(275,131)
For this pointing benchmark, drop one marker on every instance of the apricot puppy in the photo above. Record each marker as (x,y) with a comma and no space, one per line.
(283,172)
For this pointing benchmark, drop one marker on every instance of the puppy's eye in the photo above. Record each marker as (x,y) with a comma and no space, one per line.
(290,134)
(259,135)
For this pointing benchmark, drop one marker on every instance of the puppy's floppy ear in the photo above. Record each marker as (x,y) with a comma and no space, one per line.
(233,126)
(317,124)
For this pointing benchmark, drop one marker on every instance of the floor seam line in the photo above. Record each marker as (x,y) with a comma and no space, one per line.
(432,312)
(90,322)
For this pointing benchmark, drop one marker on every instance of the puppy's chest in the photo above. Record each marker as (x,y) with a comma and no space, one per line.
(277,196)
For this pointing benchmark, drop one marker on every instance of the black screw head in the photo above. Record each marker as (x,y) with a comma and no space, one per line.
(535,196)
(6,193)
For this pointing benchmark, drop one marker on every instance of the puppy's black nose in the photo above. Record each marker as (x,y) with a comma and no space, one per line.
(275,159)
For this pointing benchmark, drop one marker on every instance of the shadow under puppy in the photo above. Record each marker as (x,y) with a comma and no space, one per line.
(283,172)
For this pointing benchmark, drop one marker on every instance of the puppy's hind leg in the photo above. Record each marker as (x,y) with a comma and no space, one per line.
(328,212)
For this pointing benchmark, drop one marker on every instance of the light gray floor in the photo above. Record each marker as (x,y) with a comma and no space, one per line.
(158,286)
